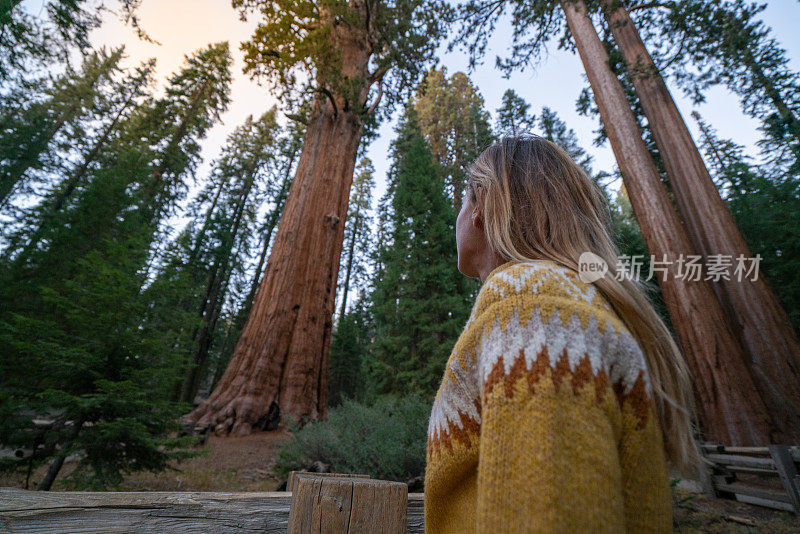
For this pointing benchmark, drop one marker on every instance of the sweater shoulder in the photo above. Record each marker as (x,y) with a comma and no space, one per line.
(541,315)
(538,281)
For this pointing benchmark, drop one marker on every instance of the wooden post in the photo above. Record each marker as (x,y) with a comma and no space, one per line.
(347,505)
(294,475)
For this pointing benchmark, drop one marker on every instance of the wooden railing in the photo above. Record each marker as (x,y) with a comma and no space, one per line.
(158,512)
(766,476)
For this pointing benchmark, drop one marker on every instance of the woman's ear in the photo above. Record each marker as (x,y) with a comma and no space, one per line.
(477,211)
(477,217)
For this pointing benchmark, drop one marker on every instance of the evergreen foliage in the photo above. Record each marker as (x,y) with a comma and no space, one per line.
(71,330)
(513,117)
(384,439)
(451,116)
(420,301)
(353,273)
(350,347)
(765,205)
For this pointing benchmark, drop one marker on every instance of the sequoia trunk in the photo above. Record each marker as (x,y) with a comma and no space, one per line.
(282,354)
(765,333)
(729,407)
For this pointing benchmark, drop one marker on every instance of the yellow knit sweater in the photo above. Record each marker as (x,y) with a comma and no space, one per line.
(544,421)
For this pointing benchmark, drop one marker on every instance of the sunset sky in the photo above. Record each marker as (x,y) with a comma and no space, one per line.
(182,26)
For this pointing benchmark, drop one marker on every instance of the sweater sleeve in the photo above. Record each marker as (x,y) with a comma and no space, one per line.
(552,424)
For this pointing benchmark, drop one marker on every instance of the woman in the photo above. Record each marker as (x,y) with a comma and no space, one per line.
(553,405)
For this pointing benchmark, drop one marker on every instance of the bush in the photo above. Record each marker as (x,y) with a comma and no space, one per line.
(385,440)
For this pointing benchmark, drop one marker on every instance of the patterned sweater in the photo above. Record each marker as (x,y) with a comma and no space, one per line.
(544,420)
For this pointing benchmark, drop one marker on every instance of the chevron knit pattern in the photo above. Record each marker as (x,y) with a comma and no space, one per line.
(544,420)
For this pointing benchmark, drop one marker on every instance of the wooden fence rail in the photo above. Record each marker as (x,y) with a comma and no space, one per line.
(157,512)
(766,476)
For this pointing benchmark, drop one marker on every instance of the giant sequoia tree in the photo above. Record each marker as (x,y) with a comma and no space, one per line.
(762,325)
(352,56)
(730,407)
(728,403)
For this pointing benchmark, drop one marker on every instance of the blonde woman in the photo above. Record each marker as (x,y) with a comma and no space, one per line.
(562,399)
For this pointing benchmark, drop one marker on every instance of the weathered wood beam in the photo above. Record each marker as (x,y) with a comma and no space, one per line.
(156,512)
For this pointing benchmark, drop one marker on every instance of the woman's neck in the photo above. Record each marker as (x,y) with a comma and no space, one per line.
(491,262)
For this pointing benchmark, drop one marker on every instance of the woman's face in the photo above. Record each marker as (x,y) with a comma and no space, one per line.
(470,238)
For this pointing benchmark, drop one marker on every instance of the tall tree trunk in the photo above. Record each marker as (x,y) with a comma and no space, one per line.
(205,338)
(203,229)
(58,461)
(270,227)
(350,252)
(282,354)
(235,327)
(70,184)
(729,406)
(769,341)
(211,304)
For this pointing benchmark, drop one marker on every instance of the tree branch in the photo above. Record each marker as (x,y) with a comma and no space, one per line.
(647,5)
(327,93)
(378,74)
(372,107)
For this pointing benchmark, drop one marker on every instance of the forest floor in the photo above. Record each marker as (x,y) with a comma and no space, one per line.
(247,464)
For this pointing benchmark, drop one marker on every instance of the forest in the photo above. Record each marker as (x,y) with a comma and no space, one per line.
(150,297)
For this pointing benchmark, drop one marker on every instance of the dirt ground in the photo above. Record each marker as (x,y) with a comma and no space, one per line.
(698,513)
(225,464)
(247,464)
(228,464)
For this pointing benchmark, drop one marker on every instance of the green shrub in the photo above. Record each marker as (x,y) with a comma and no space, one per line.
(385,440)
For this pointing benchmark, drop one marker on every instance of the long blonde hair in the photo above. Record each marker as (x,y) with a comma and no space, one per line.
(539,204)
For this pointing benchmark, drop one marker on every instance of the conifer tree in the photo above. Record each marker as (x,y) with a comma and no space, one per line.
(765,206)
(452,118)
(248,152)
(117,103)
(420,303)
(513,116)
(71,319)
(765,333)
(353,59)
(28,136)
(350,349)
(729,44)
(357,236)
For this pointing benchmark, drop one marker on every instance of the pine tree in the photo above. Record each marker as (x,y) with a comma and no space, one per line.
(117,103)
(357,235)
(556,130)
(513,117)
(455,124)
(288,149)
(420,303)
(350,347)
(29,136)
(249,151)
(72,312)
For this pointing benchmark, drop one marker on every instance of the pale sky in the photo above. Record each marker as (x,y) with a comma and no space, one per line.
(182,26)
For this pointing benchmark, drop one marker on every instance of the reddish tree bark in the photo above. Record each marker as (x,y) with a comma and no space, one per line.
(763,328)
(282,354)
(729,406)
(281,357)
